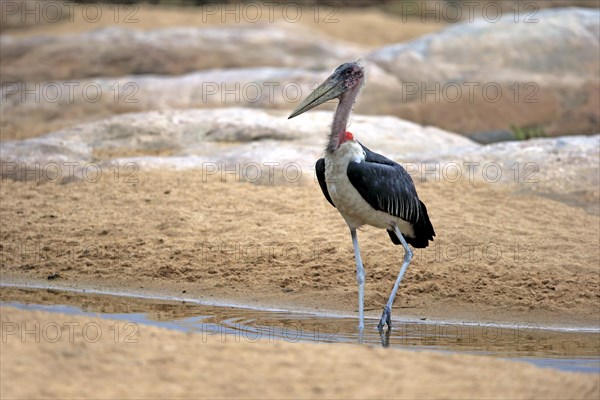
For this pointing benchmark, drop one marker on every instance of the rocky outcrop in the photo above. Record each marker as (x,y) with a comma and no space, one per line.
(479,78)
(482,76)
(117,52)
(263,146)
(219,138)
(30,109)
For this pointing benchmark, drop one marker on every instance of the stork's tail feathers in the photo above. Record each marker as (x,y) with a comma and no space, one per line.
(422,228)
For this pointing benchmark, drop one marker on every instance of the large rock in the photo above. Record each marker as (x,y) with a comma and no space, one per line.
(118,51)
(547,72)
(262,146)
(523,74)
(564,168)
(30,109)
(232,138)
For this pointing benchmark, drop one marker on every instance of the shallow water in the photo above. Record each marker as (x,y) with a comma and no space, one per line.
(566,350)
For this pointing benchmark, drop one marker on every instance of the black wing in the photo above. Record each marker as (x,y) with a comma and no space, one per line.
(387,187)
(320,170)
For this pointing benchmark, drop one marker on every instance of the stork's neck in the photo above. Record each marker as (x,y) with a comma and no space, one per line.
(340,119)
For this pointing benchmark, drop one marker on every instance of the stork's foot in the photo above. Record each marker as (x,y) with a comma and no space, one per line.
(386,318)
(385,337)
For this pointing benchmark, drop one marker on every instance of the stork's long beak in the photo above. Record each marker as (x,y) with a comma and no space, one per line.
(328,90)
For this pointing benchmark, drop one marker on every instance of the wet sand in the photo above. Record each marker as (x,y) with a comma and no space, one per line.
(571,349)
(496,256)
(121,361)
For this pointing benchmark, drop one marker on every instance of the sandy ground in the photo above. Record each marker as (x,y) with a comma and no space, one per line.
(118,361)
(496,256)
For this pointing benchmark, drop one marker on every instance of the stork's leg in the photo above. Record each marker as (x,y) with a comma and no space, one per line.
(360,279)
(386,317)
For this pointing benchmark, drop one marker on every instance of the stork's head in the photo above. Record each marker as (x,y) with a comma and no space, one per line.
(347,78)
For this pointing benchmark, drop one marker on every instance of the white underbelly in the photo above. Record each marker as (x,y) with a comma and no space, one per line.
(350,204)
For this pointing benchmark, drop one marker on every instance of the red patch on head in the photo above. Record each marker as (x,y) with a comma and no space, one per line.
(349,136)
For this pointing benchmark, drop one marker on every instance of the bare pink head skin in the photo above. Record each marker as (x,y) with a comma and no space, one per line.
(344,84)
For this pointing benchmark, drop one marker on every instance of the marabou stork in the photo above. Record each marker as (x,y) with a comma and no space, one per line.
(365,187)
